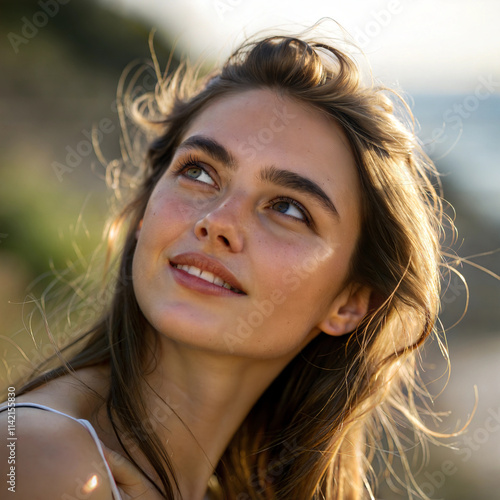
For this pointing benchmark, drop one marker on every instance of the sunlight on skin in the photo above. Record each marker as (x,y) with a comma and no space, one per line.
(91,484)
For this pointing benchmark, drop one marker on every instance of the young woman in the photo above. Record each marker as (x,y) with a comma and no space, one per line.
(280,270)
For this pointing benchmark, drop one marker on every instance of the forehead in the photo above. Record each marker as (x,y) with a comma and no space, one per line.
(261,128)
(272,119)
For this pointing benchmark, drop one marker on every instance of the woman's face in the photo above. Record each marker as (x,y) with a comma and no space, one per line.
(262,197)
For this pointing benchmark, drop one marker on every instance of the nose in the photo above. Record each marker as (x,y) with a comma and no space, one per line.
(222,226)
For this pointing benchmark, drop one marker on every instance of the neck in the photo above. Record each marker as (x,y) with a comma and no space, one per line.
(199,400)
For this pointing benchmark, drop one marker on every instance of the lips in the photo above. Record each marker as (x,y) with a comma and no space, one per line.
(207,269)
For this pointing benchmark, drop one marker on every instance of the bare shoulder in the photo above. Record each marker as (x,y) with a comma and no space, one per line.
(52,456)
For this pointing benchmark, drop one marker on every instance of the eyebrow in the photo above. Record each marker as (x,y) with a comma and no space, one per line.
(271,174)
(297,182)
(212,148)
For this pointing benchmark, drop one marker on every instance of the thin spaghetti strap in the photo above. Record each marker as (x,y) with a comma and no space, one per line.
(93,433)
(114,487)
(41,407)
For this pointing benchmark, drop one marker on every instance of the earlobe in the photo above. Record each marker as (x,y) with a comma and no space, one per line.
(347,310)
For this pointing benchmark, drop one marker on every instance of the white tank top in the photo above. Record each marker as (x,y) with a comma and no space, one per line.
(88,426)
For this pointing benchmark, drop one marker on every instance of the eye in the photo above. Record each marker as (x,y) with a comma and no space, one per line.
(191,168)
(199,174)
(291,208)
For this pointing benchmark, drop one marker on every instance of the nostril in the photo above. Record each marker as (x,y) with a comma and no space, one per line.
(216,233)
(224,240)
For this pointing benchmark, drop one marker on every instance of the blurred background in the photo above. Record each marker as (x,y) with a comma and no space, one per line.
(60,62)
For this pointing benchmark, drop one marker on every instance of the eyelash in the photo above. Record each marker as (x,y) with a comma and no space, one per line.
(307,218)
(192,161)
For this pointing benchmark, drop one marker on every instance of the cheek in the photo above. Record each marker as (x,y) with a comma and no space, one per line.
(166,217)
(299,269)
(177,207)
(161,225)
(301,282)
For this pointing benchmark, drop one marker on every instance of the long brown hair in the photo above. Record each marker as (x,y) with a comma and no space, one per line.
(312,433)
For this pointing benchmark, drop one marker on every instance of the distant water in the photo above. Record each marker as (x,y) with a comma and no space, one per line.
(462,136)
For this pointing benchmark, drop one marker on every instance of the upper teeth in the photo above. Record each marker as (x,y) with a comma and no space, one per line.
(205,275)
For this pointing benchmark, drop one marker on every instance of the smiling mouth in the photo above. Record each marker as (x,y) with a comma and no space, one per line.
(206,276)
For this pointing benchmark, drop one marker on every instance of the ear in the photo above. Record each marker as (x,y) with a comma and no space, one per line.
(347,310)
(138,230)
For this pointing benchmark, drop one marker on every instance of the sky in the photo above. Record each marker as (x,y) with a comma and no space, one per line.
(418,45)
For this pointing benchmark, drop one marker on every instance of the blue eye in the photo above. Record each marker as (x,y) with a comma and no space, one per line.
(291,208)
